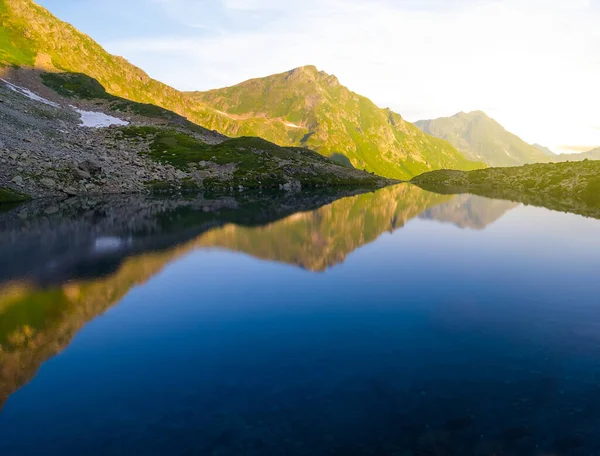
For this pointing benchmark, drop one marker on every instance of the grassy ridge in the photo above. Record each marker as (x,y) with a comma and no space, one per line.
(248,162)
(305,107)
(570,187)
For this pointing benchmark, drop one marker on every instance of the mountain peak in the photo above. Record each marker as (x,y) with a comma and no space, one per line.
(480,137)
(312,73)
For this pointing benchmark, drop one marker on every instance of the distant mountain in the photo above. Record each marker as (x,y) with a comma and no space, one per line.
(593,154)
(310,108)
(545,150)
(481,138)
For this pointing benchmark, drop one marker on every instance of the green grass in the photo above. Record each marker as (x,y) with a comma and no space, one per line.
(256,162)
(8,196)
(571,187)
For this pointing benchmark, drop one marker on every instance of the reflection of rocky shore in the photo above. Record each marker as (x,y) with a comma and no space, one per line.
(87,237)
(68,262)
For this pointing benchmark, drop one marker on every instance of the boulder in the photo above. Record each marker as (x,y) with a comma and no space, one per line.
(81,174)
(18,180)
(92,167)
(47,182)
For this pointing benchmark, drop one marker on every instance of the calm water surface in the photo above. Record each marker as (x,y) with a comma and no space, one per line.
(399,322)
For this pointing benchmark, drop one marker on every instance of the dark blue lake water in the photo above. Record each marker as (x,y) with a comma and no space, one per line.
(400,322)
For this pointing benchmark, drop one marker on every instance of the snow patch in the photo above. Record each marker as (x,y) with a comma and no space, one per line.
(29,94)
(291,125)
(93,119)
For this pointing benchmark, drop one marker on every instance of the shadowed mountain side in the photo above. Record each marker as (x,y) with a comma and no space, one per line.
(324,237)
(469,211)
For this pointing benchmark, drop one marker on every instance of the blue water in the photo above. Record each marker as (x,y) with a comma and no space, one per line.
(430,340)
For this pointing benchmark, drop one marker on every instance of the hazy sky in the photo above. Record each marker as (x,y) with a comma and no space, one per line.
(533,65)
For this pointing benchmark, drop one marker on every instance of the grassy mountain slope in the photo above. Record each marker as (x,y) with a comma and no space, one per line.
(309,108)
(319,112)
(31,36)
(49,53)
(570,187)
(481,138)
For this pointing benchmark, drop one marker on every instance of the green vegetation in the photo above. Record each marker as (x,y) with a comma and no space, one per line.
(10,196)
(305,107)
(481,138)
(570,187)
(15,46)
(248,162)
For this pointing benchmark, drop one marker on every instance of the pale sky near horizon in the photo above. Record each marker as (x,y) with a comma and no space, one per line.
(533,65)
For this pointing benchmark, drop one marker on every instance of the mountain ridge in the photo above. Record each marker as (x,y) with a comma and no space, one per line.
(365,137)
(311,108)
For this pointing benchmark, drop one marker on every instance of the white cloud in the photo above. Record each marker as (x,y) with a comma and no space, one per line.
(534,65)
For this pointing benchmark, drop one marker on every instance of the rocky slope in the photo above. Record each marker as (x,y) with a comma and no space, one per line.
(481,138)
(58,84)
(53,145)
(569,187)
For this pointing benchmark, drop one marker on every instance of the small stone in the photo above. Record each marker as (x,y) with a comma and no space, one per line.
(92,167)
(69,191)
(18,180)
(81,174)
(47,182)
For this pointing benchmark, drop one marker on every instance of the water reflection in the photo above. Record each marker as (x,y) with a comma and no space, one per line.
(395,322)
(65,263)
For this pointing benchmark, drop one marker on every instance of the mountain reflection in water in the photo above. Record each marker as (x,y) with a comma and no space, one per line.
(66,263)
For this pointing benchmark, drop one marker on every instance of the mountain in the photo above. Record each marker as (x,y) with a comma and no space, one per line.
(303,107)
(593,154)
(481,138)
(59,92)
(310,108)
(544,150)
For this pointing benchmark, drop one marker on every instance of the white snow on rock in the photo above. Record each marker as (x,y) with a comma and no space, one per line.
(29,94)
(93,119)
(291,125)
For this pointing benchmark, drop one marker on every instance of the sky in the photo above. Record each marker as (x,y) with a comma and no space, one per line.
(533,65)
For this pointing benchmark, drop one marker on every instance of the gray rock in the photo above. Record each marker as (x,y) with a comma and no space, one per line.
(47,182)
(18,180)
(81,174)
(69,191)
(93,167)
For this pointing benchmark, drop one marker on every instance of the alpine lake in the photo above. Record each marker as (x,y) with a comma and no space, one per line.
(395,322)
